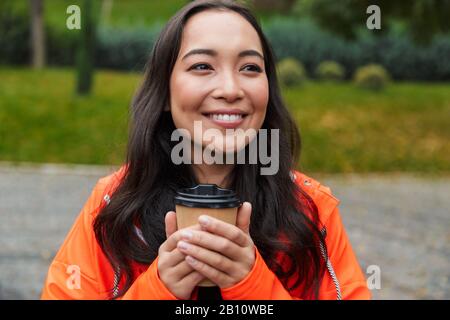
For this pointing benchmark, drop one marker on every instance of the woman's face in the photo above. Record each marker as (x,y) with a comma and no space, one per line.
(219,79)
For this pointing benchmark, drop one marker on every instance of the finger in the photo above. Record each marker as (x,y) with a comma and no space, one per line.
(171,223)
(212,242)
(172,240)
(211,258)
(216,276)
(175,257)
(181,270)
(192,279)
(243,217)
(224,229)
(171,259)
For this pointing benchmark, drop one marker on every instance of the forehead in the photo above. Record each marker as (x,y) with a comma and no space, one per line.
(222,30)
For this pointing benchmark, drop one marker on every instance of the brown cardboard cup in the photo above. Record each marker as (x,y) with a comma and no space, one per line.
(205,199)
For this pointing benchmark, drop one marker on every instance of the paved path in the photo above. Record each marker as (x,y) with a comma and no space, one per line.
(399,223)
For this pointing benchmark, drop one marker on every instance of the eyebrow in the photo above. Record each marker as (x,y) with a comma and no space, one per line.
(213,53)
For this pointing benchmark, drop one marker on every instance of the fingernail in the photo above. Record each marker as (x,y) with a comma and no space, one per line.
(203,220)
(185,234)
(183,245)
(191,260)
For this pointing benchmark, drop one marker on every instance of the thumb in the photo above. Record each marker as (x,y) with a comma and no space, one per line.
(171,223)
(243,217)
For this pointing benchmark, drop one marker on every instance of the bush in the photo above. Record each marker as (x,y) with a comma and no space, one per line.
(372,76)
(62,46)
(125,49)
(128,48)
(330,70)
(14,35)
(115,48)
(290,72)
(306,42)
(405,60)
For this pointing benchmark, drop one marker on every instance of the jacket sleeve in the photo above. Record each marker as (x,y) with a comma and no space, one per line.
(262,284)
(348,276)
(80,270)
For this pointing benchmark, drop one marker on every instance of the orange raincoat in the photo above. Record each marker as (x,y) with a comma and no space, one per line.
(81,256)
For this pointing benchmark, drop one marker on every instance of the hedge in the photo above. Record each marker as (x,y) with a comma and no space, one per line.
(128,49)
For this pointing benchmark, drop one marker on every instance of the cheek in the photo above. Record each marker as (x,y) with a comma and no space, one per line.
(262,96)
(185,98)
(185,92)
(259,95)
(258,92)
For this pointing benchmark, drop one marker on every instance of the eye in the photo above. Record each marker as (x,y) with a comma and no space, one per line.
(252,67)
(200,67)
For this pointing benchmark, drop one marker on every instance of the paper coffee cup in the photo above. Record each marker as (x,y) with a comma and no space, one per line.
(207,199)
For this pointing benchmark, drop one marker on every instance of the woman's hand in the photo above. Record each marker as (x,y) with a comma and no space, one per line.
(176,274)
(221,252)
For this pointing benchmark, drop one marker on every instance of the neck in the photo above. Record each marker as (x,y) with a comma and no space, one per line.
(213,174)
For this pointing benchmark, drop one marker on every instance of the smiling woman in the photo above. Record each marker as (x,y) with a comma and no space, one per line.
(213,64)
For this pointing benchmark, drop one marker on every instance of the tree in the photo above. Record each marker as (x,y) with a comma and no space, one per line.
(37,34)
(86,49)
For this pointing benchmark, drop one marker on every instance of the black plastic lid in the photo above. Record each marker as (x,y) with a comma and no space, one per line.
(207,196)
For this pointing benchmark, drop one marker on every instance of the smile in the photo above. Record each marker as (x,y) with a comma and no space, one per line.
(226,117)
(226,120)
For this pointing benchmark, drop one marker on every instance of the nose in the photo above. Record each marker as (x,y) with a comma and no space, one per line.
(228,88)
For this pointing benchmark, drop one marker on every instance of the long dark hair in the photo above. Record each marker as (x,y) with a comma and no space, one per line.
(284,220)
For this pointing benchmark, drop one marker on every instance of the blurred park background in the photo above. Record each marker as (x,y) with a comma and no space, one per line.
(373,107)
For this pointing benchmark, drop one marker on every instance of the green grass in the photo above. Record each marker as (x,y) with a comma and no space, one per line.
(347,129)
(344,128)
(41,120)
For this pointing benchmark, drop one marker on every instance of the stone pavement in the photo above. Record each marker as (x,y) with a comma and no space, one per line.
(399,223)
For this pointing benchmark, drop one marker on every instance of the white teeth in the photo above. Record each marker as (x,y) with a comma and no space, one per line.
(226,117)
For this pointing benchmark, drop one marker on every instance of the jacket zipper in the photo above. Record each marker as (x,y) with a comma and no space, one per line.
(330,266)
